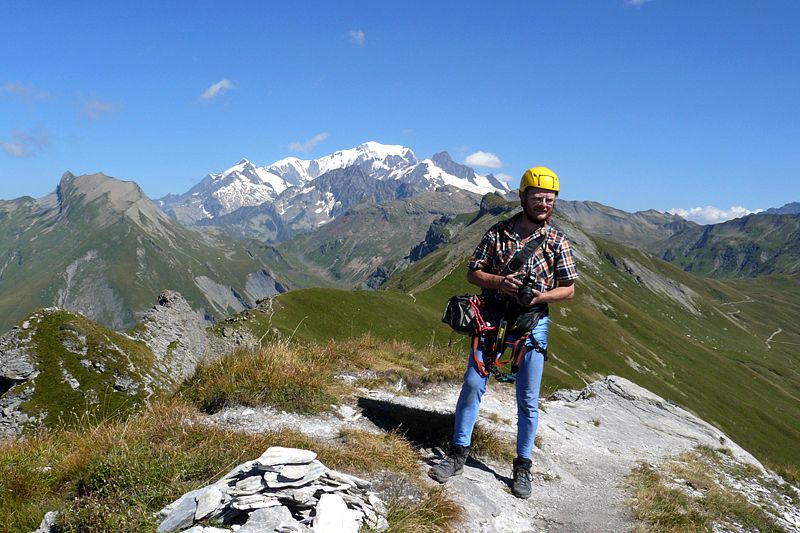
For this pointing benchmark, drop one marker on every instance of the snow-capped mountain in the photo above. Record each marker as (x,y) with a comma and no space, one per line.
(378,161)
(441,170)
(217,194)
(293,188)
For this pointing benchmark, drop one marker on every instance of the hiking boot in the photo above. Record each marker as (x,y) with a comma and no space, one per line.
(452,465)
(521,488)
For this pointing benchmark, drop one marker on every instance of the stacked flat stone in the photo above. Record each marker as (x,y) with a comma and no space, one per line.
(284,490)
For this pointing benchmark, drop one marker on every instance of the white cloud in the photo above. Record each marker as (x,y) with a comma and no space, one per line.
(25,90)
(308,145)
(25,145)
(483,159)
(635,3)
(712,215)
(13,149)
(95,108)
(221,87)
(357,37)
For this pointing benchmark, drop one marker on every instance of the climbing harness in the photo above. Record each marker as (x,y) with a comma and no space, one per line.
(498,354)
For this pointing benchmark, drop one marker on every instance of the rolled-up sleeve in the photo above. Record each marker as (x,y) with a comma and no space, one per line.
(565,262)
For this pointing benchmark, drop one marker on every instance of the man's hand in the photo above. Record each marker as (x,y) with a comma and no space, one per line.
(510,284)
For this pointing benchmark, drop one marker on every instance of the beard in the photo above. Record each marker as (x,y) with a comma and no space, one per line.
(537,214)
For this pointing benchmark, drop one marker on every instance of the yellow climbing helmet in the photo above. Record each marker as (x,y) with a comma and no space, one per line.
(539,177)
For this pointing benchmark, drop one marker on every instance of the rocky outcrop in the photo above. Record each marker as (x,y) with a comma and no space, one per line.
(286,489)
(57,350)
(179,338)
(494,204)
(58,366)
(175,333)
(438,235)
(17,368)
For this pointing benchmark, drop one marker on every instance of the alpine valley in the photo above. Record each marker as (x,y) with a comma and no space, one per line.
(298,304)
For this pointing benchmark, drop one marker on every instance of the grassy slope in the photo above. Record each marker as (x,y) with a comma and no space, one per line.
(318,315)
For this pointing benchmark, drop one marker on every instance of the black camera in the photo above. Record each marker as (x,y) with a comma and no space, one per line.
(525,292)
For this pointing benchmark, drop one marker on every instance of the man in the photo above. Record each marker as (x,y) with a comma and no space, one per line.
(552,267)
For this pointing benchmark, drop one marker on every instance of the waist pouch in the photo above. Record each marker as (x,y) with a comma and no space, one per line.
(464,314)
(520,320)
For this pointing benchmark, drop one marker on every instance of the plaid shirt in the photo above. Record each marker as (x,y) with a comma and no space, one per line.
(550,264)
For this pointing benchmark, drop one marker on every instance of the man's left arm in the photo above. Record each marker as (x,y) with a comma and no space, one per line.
(565,273)
(564,291)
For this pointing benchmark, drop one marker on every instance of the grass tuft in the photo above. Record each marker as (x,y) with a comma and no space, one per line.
(789,472)
(392,361)
(689,496)
(662,508)
(302,378)
(292,378)
(367,452)
(435,513)
(486,443)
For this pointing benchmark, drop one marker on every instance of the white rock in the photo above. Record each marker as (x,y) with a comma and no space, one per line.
(248,485)
(207,502)
(277,455)
(254,501)
(333,486)
(293,472)
(180,513)
(346,412)
(376,503)
(333,515)
(304,496)
(48,522)
(244,467)
(272,519)
(316,470)
(350,480)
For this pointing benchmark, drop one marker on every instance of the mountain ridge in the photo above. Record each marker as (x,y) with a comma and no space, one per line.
(285,183)
(100,246)
(750,246)
(792,208)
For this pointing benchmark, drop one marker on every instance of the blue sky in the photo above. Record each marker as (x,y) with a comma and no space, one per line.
(657,104)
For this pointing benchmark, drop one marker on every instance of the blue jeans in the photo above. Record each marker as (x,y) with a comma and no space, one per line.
(529,379)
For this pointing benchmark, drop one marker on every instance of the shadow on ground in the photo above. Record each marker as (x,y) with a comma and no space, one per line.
(423,429)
